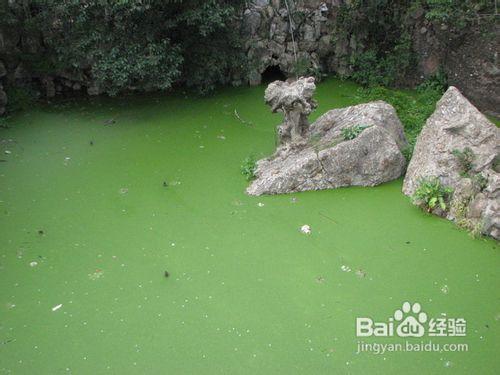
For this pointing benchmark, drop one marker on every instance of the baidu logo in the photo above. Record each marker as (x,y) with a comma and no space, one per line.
(410,321)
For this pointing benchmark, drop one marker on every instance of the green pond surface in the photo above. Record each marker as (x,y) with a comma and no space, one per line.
(92,228)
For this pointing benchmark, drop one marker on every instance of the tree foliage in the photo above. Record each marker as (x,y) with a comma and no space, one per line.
(133,44)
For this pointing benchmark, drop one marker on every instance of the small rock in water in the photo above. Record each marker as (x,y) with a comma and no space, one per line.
(57,307)
(305,229)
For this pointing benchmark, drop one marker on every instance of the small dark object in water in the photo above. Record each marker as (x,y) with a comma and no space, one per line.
(487,326)
(166,274)
(165,183)
(2,160)
(91,143)
(41,232)
(408,242)
(110,121)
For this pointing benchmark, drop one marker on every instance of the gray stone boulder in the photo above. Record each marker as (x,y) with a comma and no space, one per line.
(457,130)
(359,145)
(294,100)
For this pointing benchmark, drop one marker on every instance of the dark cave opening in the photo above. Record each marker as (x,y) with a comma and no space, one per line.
(273,73)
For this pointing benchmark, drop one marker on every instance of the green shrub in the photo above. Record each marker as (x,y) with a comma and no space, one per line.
(20,97)
(352,131)
(430,194)
(437,82)
(248,167)
(413,108)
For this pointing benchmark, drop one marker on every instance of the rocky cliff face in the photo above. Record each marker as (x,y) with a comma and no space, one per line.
(295,36)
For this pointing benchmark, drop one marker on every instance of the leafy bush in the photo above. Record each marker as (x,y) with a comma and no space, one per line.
(430,194)
(303,67)
(131,44)
(374,67)
(437,82)
(352,131)
(412,108)
(457,14)
(248,167)
(20,97)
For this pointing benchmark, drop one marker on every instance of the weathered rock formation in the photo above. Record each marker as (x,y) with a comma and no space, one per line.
(295,101)
(359,145)
(455,128)
(268,25)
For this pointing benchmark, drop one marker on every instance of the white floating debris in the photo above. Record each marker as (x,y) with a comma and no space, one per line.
(8,152)
(123,191)
(305,229)
(221,137)
(57,307)
(33,264)
(260,204)
(345,268)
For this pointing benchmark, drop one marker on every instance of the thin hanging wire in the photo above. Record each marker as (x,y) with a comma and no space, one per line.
(292,27)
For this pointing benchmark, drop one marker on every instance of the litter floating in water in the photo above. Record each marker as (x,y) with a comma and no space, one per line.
(360,273)
(445,289)
(345,268)
(260,204)
(57,307)
(33,264)
(221,137)
(123,191)
(305,229)
(8,152)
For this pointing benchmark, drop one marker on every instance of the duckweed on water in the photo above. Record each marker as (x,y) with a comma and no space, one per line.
(247,291)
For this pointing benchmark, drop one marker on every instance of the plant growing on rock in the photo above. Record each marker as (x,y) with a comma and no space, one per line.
(431,194)
(248,167)
(353,131)
(465,158)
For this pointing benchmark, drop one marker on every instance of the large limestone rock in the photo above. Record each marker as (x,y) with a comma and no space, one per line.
(457,125)
(324,157)
(295,101)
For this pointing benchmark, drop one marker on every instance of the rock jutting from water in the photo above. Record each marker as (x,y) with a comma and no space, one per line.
(460,146)
(359,145)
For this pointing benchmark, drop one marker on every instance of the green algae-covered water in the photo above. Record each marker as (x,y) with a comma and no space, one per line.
(88,231)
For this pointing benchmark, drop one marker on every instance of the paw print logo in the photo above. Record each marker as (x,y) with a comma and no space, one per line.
(412,318)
